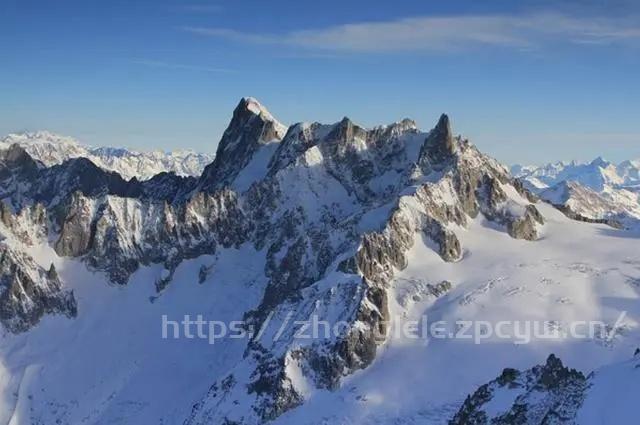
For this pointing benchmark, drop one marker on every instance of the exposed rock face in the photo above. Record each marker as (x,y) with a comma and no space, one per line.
(17,161)
(203,273)
(76,228)
(439,145)
(335,208)
(524,191)
(546,394)
(29,225)
(250,129)
(524,227)
(28,292)
(117,235)
(440,289)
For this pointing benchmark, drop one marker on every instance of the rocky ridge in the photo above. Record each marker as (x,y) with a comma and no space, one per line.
(546,394)
(554,394)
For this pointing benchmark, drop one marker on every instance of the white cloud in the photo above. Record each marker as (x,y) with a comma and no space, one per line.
(446,33)
(171,65)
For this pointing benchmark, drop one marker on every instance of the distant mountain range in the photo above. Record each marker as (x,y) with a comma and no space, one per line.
(52,149)
(596,190)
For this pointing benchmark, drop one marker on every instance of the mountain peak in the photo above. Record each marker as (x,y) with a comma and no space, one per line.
(439,144)
(443,131)
(251,127)
(444,121)
(344,127)
(251,115)
(600,162)
(253,106)
(407,123)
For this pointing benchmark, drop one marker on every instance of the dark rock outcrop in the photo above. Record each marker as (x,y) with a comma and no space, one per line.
(525,227)
(28,292)
(546,394)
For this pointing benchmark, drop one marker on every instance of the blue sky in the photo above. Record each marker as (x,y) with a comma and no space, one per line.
(527,81)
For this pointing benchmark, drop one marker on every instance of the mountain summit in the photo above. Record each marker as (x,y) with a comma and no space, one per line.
(251,130)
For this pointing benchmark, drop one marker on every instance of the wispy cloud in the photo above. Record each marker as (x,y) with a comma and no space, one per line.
(171,65)
(201,8)
(444,33)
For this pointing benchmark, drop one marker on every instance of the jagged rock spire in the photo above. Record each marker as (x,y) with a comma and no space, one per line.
(441,135)
(439,145)
(251,126)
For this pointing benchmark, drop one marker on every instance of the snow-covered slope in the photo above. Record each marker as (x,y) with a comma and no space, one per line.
(365,230)
(611,397)
(52,149)
(598,190)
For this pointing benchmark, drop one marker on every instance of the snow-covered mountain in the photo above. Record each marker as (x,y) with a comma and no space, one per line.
(597,190)
(52,149)
(364,230)
(597,174)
